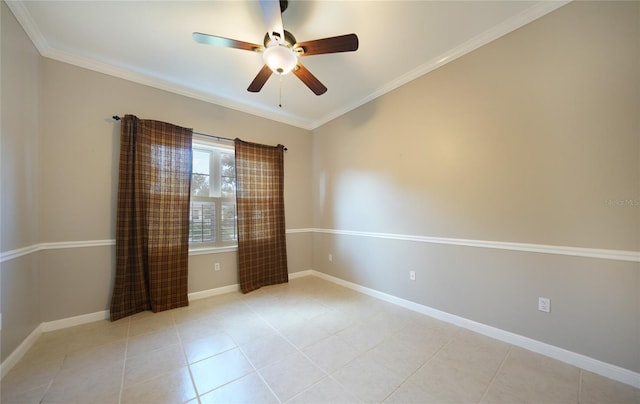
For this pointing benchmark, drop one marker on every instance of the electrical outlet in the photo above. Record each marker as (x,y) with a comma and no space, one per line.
(544,304)
(216,266)
(330,257)
(412,275)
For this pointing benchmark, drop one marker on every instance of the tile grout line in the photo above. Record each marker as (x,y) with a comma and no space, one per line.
(186,359)
(51,381)
(292,344)
(327,375)
(239,348)
(388,337)
(53,378)
(226,383)
(47,389)
(423,365)
(124,362)
(255,368)
(495,374)
(580,386)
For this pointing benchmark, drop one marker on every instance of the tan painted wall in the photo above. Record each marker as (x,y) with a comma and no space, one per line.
(533,138)
(80,146)
(19,173)
(20,124)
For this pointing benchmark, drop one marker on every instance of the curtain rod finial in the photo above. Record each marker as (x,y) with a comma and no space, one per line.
(116,117)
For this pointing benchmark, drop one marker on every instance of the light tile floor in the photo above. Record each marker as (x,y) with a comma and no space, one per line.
(309,341)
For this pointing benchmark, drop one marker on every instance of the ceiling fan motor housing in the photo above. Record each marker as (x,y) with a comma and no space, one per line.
(289,39)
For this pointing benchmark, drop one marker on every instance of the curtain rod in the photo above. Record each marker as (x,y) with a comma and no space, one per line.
(117,118)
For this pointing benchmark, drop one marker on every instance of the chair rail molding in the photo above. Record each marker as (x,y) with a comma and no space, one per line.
(618,255)
(607,254)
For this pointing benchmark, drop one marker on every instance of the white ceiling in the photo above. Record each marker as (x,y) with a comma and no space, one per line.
(150,42)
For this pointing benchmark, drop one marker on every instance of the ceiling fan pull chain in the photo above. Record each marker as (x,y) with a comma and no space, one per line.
(280,99)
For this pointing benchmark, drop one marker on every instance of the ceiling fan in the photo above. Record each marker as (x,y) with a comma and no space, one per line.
(281,50)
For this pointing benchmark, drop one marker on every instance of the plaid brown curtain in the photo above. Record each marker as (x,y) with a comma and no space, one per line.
(262,249)
(152,223)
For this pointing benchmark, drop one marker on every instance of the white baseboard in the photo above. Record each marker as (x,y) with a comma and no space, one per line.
(47,326)
(301,274)
(104,315)
(28,342)
(203,294)
(584,362)
(19,352)
(76,320)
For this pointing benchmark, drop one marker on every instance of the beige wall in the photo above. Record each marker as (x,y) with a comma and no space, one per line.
(20,124)
(525,140)
(19,172)
(80,146)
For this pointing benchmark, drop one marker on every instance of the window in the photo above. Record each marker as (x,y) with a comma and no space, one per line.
(212,220)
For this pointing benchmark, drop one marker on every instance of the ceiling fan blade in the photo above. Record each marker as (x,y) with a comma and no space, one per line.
(273,17)
(309,80)
(261,78)
(225,42)
(342,43)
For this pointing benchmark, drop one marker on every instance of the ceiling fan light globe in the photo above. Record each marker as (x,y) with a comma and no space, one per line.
(280,58)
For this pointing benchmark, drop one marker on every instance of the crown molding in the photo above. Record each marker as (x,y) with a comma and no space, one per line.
(28,25)
(46,50)
(23,16)
(149,80)
(529,15)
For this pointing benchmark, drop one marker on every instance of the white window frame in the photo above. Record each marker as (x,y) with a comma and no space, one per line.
(196,248)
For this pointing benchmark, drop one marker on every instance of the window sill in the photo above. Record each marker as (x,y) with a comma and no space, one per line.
(211,250)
